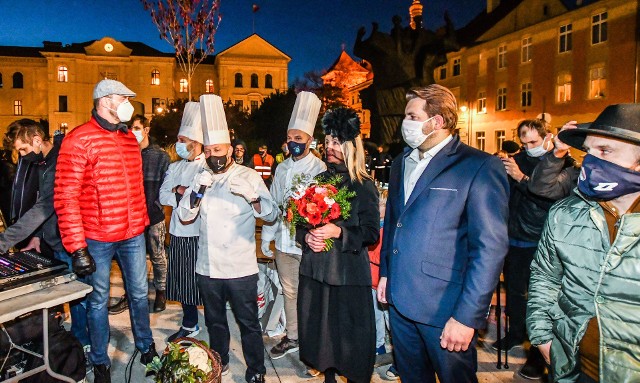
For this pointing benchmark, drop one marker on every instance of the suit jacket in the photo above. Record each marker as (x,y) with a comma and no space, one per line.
(443,251)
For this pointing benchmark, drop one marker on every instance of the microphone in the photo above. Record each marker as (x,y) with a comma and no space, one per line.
(203,188)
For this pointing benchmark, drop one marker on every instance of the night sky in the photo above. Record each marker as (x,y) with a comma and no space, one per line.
(311,32)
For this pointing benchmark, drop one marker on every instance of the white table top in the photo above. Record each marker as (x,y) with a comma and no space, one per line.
(49,297)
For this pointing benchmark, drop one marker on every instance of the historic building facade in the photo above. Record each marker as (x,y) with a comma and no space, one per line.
(522,58)
(352,77)
(55,82)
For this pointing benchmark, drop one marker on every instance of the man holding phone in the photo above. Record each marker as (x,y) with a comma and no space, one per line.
(527,213)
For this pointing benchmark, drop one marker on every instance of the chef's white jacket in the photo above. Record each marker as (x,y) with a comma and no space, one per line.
(227,243)
(180,173)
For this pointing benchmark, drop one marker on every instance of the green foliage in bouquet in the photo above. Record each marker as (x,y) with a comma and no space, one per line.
(174,366)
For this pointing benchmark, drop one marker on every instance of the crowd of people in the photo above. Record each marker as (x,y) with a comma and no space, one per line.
(427,237)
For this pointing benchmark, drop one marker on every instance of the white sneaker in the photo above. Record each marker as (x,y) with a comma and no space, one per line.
(313,372)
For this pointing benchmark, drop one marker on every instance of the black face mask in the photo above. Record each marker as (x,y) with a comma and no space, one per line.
(33,157)
(217,163)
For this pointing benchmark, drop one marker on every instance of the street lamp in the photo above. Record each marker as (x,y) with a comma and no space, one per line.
(466,110)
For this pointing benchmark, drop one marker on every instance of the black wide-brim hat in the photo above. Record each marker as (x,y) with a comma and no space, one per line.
(621,121)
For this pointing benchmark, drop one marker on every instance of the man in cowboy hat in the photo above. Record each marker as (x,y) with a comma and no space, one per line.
(583,296)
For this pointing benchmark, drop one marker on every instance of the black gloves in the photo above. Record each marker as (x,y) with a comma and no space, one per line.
(82,262)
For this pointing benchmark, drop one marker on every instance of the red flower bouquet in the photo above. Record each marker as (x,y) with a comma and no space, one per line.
(319,203)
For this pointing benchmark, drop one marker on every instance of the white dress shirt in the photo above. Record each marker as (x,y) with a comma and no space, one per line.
(180,173)
(227,243)
(414,166)
(280,230)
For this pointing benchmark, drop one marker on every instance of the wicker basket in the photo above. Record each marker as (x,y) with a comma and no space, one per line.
(215,375)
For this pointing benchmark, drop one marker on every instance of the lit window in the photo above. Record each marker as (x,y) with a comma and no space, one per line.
(239,104)
(456,66)
(62,104)
(526,49)
(254,80)
(480,140)
(17,108)
(254,106)
(564,38)
(155,77)
(563,90)
(268,81)
(597,82)
(18,81)
(525,94)
(482,102)
(238,80)
(184,85)
(442,72)
(501,136)
(63,74)
(599,28)
(501,103)
(502,56)
(208,85)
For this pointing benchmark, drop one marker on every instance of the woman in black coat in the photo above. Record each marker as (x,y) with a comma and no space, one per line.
(335,310)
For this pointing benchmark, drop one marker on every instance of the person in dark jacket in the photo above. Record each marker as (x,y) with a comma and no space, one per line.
(527,213)
(7,175)
(240,154)
(155,163)
(336,326)
(24,191)
(40,222)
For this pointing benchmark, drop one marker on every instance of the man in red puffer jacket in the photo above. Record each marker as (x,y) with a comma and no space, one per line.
(100,202)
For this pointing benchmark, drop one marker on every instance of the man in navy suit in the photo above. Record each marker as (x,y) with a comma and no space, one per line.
(444,242)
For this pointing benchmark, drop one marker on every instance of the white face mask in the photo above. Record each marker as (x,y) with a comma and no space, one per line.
(138,134)
(182,151)
(124,111)
(537,151)
(412,132)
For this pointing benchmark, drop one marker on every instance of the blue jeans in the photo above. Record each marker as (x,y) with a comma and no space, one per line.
(132,255)
(78,307)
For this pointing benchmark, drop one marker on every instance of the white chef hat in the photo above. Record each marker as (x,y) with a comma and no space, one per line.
(214,122)
(305,112)
(191,126)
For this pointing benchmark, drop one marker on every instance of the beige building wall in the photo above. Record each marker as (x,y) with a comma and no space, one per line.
(480,75)
(253,56)
(153,75)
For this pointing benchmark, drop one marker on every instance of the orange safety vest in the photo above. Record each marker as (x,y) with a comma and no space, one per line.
(263,167)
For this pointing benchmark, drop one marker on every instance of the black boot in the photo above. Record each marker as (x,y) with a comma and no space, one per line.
(101,373)
(534,366)
(121,306)
(148,356)
(160,303)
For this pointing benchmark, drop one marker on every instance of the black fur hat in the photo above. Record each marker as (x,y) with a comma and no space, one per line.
(342,123)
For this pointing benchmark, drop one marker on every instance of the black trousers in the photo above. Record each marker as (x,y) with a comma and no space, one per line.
(242,293)
(516,274)
(419,357)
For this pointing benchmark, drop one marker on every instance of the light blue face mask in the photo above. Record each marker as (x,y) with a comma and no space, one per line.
(181,149)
